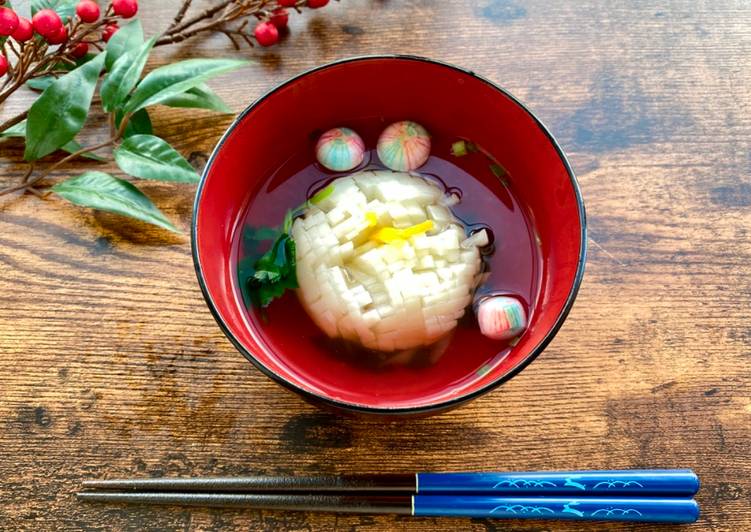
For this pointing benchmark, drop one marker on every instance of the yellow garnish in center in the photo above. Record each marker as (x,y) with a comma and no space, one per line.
(388,235)
(371,218)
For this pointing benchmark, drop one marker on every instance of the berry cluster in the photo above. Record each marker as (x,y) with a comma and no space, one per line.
(72,35)
(267,31)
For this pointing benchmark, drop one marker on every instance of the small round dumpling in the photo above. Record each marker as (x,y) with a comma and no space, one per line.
(340,149)
(501,317)
(404,146)
(382,261)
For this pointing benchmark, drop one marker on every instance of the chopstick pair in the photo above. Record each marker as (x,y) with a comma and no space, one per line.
(638,495)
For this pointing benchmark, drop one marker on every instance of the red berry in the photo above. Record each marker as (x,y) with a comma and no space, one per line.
(279,18)
(266,34)
(46,22)
(125,8)
(287,3)
(315,4)
(109,31)
(24,31)
(8,21)
(58,38)
(87,11)
(80,50)
(3,65)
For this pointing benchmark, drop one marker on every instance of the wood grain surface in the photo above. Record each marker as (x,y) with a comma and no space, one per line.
(111,364)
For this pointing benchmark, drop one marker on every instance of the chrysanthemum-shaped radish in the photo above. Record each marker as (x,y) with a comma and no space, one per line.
(340,149)
(501,317)
(382,262)
(404,146)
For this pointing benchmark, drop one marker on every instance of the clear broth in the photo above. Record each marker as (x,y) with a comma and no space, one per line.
(444,368)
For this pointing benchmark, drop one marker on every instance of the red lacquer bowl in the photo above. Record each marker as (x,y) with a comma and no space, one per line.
(440,96)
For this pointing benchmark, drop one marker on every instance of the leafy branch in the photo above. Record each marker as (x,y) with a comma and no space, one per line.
(126,97)
(229,17)
(41,56)
(51,54)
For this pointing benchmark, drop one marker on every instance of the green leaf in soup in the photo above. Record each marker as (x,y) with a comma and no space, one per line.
(126,39)
(64,8)
(167,81)
(139,123)
(98,190)
(60,112)
(259,234)
(254,237)
(124,76)
(200,97)
(150,157)
(19,130)
(287,223)
(322,194)
(272,274)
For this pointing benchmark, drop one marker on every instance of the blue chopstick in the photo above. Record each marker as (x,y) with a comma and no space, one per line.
(653,510)
(662,482)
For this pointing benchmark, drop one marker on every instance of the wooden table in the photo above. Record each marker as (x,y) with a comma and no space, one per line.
(111,365)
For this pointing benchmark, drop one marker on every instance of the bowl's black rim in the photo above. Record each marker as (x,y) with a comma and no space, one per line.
(353,407)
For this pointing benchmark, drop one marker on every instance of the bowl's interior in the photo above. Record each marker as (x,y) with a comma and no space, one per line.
(441,98)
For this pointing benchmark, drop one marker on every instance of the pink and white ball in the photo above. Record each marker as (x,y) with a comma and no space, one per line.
(501,317)
(340,149)
(404,146)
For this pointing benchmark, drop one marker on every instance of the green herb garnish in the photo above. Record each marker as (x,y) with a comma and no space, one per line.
(322,194)
(273,273)
(460,148)
(498,170)
(269,276)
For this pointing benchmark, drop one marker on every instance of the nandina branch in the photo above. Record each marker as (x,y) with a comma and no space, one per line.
(29,183)
(13,121)
(181,13)
(216,18)
(34,61)
(205,14)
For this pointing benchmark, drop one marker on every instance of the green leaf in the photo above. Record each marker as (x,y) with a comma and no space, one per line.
(65,8)
(22,8)
(259,234)
(252,239)
(40,84)
(60,112)
(127,38)
(459,148)
(268,277)
(104,192)
(150,157)
(73,147)
(200,97)
(43,82)
(167,81)
(287,223)
(19,130)
(124,75)
(322,194)
(139,123)
(498,170)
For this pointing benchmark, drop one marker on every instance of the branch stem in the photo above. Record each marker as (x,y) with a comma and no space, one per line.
(13,121)
(31,182)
